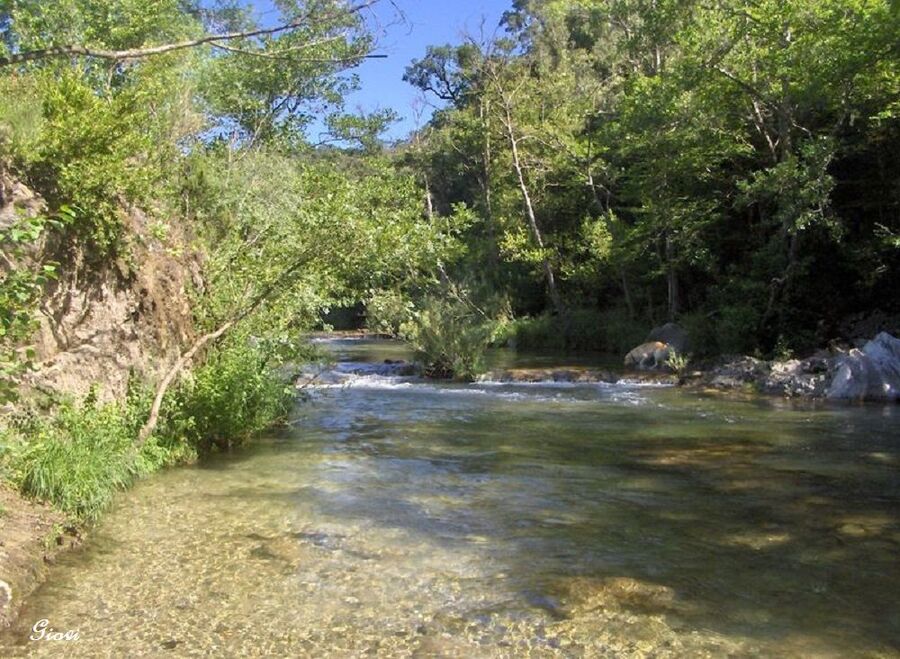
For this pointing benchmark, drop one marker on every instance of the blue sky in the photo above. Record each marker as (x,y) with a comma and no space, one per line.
(427,22)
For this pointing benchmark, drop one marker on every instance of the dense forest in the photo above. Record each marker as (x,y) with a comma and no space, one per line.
(730,165)
(594,167)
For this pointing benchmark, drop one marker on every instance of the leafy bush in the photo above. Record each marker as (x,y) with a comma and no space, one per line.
(620,331)
(611,331)
(701,328)
(736,329)
(450,336)
(233,395)
(677,362)
(79,457)
(387,312)
(20,118)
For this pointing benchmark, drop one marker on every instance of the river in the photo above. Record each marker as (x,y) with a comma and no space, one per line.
(397,517)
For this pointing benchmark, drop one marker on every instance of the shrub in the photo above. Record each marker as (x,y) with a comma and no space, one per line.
(79,458)
(450,336)
(20,118)
(612,331)
(387,312)
(703,332)
(736,329)
(620,331)
(235,394)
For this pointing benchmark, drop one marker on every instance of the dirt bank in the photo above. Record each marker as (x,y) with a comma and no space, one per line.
(31,536)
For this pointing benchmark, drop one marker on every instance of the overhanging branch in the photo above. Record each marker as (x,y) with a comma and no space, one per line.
(140,53)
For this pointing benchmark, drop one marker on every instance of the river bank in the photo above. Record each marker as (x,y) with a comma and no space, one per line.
(32,535)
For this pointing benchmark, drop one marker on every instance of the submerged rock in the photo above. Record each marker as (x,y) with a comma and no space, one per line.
(536,375)
(871,374)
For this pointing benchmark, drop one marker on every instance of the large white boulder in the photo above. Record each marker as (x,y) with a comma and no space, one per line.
(872,373)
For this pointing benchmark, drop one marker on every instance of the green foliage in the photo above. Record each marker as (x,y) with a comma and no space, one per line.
(611,331)
(387,312)
(721,159)
(234,395)
(21,118)
(734,329)
(677,362)
(450,336)
(79,458)
(21,286)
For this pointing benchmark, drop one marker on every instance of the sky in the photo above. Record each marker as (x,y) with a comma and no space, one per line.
(427,22)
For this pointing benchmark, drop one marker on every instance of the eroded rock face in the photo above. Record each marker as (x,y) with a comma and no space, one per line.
(96,324)
(870,374)
(652,356)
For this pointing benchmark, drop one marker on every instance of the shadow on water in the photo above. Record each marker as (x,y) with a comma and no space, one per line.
(748,519)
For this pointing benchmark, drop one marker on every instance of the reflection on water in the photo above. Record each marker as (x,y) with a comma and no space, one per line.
(400,518)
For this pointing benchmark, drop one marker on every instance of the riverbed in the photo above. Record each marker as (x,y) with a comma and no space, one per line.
(399,517)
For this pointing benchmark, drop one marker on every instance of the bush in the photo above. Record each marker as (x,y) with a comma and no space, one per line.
(611,331)
(387,312)
(20,118)
(450,336)
(702,329)
(79,457)
(235,394)
(736,329)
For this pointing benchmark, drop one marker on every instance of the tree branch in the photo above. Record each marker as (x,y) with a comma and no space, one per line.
(279,283)
(273,56)
(139,53)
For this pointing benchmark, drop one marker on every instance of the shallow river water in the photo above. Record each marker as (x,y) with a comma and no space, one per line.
(404,518)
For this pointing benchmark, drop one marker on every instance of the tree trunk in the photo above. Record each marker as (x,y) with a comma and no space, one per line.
(485,179)
(161,389)
(429,201)
(532,218)
(671,279)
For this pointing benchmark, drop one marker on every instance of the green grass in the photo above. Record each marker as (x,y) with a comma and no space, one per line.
(80,456)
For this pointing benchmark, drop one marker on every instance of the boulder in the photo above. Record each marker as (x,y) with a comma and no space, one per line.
(672,335)
(872,373)
(735,373)
(807,378)
(651,356)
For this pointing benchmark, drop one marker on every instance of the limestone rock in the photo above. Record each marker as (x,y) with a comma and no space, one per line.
(871,374)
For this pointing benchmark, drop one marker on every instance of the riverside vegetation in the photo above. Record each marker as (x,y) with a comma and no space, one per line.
(596,167)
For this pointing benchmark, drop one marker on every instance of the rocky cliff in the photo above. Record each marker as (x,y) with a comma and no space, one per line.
(99,321)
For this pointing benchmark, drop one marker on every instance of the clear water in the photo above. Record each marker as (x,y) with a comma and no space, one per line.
(403,518)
